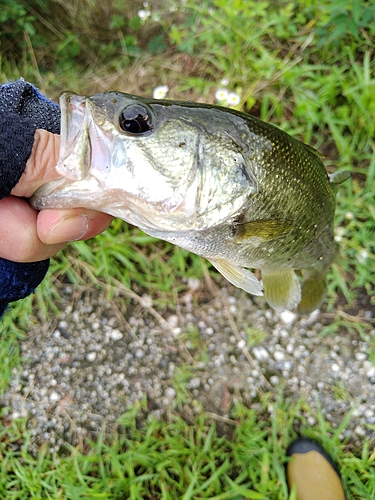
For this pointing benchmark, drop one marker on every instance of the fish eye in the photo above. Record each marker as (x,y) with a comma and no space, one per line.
(136,120)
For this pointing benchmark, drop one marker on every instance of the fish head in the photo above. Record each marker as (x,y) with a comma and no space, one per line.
(156,164)
(117,155)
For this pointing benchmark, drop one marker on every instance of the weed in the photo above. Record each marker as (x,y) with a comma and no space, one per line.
(166,460)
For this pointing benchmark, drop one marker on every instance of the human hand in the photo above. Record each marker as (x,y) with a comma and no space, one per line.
(29,236)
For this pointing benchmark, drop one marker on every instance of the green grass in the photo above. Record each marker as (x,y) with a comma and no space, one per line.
(176,459)
(306,66)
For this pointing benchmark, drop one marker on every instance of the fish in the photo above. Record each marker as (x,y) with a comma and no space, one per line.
(221,183)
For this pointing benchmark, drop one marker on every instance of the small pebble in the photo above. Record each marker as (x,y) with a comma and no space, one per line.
(139,353)
(54,396)
(260,353)
(279,355)
(360,356)
(170,393)
(116,335)
(311,420)
(241,344)
(194,383)
(96,364)
(288,317)
(360,431)
(173,321)
(274,379)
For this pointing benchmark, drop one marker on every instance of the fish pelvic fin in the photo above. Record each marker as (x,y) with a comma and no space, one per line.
(314,289)
(282,289)
(238,276)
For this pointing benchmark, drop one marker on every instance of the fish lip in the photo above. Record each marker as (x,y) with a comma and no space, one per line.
(40,199)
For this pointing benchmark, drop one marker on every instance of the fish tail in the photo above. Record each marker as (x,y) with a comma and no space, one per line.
(314,289)
(282,289)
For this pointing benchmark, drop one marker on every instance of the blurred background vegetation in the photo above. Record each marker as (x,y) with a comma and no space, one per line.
(306,66)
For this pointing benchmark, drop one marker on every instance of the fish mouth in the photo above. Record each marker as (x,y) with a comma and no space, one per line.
(75,150)
(74,159)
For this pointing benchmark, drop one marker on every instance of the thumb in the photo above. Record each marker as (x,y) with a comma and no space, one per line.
(40,167)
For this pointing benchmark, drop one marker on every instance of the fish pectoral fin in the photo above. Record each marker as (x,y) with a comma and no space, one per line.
(314,289)
(265,229)
(239,276)
(282,289)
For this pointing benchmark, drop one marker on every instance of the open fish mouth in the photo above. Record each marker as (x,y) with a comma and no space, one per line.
(83,163)
(75,151)
(74,158)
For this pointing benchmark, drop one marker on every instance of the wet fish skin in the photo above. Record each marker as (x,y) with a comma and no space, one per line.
(218,182)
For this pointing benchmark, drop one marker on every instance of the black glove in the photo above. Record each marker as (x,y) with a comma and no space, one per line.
(22,110)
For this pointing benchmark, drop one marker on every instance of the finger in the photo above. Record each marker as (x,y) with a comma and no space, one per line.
(40,167)
(59,226)
(19,239)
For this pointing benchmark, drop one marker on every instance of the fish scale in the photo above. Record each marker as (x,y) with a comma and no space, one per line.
(218,182)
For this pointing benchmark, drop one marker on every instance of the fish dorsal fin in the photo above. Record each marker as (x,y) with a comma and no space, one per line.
(239,276)
(337,178)
(282,289)
(264,229)
(314,151)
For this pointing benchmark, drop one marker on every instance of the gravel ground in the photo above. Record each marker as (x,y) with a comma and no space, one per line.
(87,366)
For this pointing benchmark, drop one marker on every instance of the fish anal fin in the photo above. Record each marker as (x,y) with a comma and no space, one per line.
(238,276)
(264,229)
(314,289)
(282,289)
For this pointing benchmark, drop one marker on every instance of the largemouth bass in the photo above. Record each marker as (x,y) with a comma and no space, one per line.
(220,183)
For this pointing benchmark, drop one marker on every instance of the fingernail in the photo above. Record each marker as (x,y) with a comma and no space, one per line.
(69,228)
